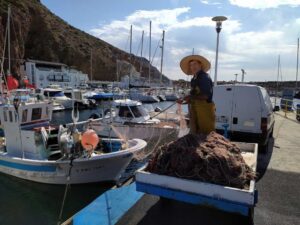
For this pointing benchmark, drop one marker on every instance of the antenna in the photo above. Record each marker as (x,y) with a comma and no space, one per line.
(243,75)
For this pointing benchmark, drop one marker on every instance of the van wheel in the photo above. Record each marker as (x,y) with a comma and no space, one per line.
(271,134)
(264,148)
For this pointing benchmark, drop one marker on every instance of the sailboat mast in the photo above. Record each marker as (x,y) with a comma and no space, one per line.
(278,71)
(142,46)
(130,57)
(8,37)
(297,67)
(162,56)
(91,66)
(150,53)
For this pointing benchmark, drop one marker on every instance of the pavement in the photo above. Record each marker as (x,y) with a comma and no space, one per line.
(278,187)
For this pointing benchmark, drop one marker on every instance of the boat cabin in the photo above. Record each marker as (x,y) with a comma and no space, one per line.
(129,111)
(24,127)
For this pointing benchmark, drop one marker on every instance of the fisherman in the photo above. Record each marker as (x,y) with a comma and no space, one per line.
(201,106)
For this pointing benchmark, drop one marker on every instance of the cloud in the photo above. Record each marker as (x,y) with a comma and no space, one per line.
(256,50)
(206,2)
(264,4)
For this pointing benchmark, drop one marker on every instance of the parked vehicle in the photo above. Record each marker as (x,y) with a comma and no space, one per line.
(246,110)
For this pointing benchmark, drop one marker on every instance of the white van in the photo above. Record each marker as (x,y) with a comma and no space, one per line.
(248,111)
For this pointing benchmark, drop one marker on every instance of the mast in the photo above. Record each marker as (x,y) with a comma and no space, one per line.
(8,37)
(91,66)
(141,61)
(150,53)
(278,71)
(162,56)
(297,67)
(130,52)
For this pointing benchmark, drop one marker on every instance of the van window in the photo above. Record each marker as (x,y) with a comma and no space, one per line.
(36,114)
(24,115)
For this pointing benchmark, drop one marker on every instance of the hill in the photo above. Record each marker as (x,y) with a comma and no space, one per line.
(36,33)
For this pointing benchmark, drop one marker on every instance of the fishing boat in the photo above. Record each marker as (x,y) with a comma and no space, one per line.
(34,150)
(56,94)
(144,97)
(79,99)
(129,119)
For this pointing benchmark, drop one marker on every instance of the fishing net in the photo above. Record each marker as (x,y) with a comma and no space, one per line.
(207,158)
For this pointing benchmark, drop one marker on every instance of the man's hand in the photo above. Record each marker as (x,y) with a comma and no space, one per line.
(184,100)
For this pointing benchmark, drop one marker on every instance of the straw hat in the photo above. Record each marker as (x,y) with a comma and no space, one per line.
(184,63)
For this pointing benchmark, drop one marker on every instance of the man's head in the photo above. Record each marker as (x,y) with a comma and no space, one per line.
(195,66)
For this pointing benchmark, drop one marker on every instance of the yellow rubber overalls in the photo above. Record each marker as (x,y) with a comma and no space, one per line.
(202,114)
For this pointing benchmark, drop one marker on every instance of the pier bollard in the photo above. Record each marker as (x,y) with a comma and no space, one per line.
(225,126)
(285,111)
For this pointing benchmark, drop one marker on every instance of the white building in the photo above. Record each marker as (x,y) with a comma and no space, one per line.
(41,74)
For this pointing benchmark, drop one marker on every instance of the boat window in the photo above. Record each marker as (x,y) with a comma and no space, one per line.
(24,115)
(138,111)
(125,112)
(36,114)
(69,95)
(10,116)
(54,93)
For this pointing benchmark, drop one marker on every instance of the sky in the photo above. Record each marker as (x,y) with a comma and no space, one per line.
(253,37)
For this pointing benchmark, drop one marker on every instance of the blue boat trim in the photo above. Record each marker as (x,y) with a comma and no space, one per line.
(109,207)
(225,205)
(19,166)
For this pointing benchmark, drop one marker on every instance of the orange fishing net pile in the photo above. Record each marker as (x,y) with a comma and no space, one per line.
(208,158)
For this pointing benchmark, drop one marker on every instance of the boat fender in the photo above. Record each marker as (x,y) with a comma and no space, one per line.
(89,140)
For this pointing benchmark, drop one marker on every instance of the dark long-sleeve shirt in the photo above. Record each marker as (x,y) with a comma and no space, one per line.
(201,84)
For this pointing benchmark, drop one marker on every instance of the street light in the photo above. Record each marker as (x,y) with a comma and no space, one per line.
(218,20)
(236,75)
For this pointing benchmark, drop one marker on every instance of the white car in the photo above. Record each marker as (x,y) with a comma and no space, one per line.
(246,110)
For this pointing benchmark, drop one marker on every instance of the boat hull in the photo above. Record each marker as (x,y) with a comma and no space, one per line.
(105,167)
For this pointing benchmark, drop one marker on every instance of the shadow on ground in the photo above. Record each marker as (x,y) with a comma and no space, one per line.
(264,158)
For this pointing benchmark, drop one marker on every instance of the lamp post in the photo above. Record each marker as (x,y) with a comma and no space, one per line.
(218,20)
(236,75)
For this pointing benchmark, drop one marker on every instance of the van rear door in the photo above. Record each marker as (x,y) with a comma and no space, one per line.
(222,97)
(247,110)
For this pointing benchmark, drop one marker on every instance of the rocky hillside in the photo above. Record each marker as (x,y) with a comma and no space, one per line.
(36,33)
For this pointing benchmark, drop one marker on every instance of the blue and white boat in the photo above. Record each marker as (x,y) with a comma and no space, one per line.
(34,150)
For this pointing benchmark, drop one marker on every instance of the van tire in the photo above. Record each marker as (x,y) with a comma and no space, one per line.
(271,134)
(264,148)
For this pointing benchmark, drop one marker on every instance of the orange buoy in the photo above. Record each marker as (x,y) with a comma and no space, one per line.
(89,140)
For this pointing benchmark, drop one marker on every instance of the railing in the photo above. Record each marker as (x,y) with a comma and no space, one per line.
(287,106)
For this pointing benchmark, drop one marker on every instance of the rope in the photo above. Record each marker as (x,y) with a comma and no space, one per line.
(66,190)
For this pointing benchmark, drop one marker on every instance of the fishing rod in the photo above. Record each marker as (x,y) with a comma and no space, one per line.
(151,117)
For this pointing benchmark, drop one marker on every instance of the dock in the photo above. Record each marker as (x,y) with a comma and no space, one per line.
(277,184)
